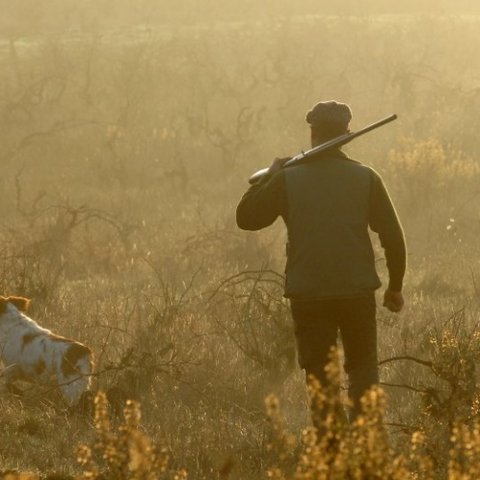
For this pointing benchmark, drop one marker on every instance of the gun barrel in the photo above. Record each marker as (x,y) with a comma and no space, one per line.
(334,143)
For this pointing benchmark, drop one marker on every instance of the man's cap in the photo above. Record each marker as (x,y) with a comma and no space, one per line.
(329,113)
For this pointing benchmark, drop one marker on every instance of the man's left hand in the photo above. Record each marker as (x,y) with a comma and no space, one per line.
(393,301)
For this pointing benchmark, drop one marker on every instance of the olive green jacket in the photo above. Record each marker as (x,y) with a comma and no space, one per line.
(328,206)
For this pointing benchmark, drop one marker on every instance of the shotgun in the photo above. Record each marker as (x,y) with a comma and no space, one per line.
(334,143)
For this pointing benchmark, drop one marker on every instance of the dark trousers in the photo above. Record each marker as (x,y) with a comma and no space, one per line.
(317,324)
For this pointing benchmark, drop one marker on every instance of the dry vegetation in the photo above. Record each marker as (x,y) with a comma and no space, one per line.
(124,153)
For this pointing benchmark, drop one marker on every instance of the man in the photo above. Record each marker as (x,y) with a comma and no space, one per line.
(327,205)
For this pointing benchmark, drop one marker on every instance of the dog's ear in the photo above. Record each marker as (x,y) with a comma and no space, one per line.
(21,303)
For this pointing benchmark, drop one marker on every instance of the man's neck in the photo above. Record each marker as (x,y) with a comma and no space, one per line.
(320,141)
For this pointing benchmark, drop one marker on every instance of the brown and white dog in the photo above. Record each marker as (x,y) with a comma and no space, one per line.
(33,353)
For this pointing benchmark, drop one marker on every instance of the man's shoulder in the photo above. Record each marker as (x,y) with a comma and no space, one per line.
(368,169)
(277,180)
(270,185)
(360,167)
(354,161)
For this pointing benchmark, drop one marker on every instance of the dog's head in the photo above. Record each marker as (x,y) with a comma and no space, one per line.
(20,303)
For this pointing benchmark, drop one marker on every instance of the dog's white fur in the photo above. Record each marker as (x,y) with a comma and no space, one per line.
(34,353)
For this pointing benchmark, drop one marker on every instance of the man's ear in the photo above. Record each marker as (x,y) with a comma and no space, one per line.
(21,303)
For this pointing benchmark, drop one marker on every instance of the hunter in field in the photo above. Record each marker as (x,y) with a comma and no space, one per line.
(328,206)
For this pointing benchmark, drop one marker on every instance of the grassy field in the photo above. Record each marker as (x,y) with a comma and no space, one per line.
(124,153)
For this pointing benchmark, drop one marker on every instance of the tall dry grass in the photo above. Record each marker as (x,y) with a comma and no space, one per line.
(124,153)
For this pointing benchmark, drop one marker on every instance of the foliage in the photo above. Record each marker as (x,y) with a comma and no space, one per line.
(125,452)
(124,152)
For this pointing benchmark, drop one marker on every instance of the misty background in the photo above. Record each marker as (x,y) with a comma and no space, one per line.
(128,133)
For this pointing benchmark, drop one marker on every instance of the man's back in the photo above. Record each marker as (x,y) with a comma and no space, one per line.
(327,206)
(329,248)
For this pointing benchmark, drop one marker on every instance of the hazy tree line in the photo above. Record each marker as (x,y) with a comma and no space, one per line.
(128,131)
(24,17)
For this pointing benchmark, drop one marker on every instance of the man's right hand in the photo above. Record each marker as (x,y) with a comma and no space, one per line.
(278,164)
(393,301)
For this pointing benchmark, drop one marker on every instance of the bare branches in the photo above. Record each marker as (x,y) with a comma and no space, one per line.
(56,128)
(425,363)
(250,275)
